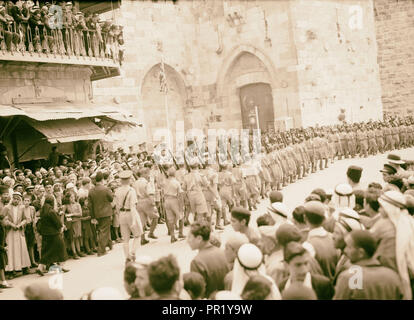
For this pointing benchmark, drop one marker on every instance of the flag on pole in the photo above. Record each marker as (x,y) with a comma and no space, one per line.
(163,78)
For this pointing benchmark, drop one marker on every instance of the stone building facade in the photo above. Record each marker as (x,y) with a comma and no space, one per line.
(300,62)
(394,20)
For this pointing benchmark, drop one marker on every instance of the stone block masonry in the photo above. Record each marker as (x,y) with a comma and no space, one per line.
(304,51)
(394,21)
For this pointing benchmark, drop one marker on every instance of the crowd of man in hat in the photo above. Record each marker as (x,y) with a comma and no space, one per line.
(58,28)
(78,208)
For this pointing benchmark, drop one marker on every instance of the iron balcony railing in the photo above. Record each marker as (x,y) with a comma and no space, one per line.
(28,39)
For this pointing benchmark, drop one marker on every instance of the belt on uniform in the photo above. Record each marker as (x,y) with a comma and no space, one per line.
(170,196)
(125,210)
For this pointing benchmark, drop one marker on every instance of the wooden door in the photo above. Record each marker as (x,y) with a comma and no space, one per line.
(260,95)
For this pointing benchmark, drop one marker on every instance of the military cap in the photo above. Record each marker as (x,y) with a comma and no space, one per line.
(315,207)
(126,174)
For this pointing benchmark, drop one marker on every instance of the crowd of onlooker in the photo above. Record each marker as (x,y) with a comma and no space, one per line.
(59,28)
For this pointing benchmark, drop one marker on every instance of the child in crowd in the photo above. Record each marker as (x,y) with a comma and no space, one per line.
(88,240)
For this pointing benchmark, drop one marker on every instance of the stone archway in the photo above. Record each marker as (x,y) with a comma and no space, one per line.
(247,65)
(154,101)
(246,84)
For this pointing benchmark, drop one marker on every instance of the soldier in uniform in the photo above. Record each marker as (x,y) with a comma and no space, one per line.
(192,185)
(240,189)
(389,141)
(174,205)
(227,184)
(250,172)
(379,135)
(362,138)
(402,134)
(311,152)
(343,141)
(211,193)
(395,136)
(372,142)
(146,202)
(130,223)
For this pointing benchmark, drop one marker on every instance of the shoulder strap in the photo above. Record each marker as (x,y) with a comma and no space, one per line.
(125,199)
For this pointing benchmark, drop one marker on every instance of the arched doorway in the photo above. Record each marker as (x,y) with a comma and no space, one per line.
(257,95)
(247,84)
(154,101)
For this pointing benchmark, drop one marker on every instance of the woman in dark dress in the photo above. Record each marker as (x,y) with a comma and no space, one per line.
(51,228)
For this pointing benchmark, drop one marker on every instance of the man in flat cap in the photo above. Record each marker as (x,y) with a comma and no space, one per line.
(129,220)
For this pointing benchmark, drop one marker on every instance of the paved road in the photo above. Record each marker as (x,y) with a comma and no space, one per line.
(92,272)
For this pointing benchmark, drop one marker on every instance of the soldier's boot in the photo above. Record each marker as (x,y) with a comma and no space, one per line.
(154,224)
(171,227)
(144,240)
(181,229)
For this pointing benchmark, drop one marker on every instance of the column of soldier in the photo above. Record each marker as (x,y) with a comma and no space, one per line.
(28,27)
(177,192)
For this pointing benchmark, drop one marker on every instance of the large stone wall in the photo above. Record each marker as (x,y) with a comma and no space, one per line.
(337,67)
(394,21)
(291,45)
(30,81)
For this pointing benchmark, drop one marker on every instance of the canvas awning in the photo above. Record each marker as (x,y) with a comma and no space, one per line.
(68,130)
(66,110)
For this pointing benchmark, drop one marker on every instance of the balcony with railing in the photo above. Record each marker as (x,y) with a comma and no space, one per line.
(53,41)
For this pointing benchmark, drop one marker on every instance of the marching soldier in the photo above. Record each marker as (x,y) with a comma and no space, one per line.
(372,142)
(174,205)
(192,185)
(344,142)
(227,193)
(395,136)
(146,202)
(362,139)
(389,141)
(240,189)
(379,135)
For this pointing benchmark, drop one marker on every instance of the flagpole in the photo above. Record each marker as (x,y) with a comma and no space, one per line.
(166,100)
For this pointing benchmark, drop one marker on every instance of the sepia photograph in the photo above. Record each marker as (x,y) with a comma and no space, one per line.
(225,151)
